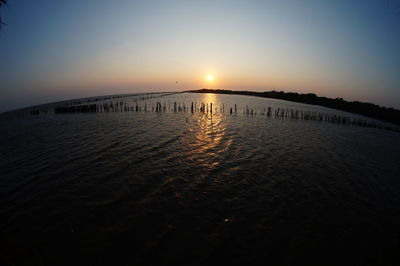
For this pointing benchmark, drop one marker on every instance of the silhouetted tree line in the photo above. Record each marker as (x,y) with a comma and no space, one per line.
(367,109)
(2,3)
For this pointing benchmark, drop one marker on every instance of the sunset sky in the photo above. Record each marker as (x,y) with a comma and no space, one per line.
(55,50)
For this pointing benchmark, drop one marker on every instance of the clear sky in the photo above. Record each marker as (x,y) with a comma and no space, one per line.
(54,50)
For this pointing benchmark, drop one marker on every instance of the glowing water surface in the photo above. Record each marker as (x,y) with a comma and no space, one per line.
(145,188)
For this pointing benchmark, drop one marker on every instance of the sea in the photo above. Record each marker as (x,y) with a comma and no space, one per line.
(197,179)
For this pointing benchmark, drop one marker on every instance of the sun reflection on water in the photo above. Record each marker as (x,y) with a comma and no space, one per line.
(209,140)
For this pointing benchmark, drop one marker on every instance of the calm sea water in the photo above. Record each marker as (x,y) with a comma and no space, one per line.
(158,188)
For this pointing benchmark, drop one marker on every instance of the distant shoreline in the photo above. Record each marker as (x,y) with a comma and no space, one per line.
(390,115)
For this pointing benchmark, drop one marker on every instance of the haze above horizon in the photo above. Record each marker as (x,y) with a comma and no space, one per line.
(55,50)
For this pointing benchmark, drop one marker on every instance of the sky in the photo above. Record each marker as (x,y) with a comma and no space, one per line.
(56,50)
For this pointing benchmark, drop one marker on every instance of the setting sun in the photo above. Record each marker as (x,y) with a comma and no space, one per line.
(234,131)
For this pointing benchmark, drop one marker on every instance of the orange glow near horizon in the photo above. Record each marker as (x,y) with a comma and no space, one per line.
(148,47)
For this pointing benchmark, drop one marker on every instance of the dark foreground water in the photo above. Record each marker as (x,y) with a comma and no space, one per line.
(176,188)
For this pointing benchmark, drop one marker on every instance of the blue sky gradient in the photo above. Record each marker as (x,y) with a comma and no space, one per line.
(55,50)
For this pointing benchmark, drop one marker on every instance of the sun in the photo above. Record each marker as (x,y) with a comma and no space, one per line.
(210,78)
